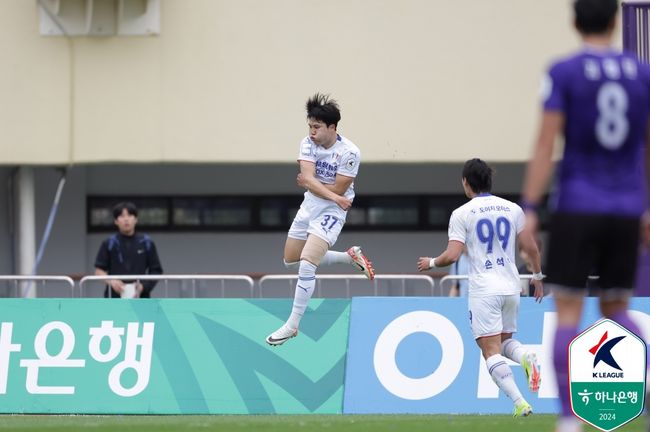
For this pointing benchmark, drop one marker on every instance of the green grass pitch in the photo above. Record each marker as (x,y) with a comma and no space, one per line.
(286,423)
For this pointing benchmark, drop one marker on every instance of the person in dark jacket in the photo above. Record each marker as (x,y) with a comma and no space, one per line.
(127,253)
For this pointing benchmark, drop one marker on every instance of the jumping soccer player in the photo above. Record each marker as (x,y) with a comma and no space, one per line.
(329,164)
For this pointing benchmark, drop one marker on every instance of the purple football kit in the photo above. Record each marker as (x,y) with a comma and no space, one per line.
(605,98)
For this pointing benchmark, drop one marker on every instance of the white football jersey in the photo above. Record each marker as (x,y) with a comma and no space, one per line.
(488,226)
(341,158)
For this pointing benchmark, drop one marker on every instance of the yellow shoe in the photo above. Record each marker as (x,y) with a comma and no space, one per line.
(522,410)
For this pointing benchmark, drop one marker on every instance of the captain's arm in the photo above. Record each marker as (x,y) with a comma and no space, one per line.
(312,184)
(647,169)
(540,167)
(341,184)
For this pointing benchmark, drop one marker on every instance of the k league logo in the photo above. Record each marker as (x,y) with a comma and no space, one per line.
(602,351)
(607,374)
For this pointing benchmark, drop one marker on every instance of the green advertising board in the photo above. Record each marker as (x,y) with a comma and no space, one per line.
(183,356)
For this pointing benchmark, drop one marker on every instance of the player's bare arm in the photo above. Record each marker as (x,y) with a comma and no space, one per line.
(527,243)
(540,166)
(341,184)
(308,180)
(647,169)
(449,256)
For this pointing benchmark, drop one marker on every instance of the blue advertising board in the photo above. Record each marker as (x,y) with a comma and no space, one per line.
(417,355)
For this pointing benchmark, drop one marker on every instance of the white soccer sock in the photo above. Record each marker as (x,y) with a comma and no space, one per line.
(334,257)
(304,290)
(502,375)
(513,349)
(292,265)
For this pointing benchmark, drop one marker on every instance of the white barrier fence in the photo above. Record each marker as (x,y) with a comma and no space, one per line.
(391,284)
(427,281)
(523,277)
(413,282)
(452,278)
(247,281)
(21,283)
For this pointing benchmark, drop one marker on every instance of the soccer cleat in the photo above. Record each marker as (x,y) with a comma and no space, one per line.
(360,260)
(281,335)
(523,409)
(531,368)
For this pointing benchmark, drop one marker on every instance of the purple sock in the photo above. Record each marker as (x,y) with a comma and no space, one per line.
(623,318)
(563,336)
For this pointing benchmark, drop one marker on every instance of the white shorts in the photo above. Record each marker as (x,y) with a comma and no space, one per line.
(320,217)
(493,315)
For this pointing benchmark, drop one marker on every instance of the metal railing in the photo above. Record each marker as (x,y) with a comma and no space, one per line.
(444,279)
(521,276)
(248,281)
(43,279)
(428,280)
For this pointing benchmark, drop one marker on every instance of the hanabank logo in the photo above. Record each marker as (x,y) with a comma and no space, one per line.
(607,367)
(602,352)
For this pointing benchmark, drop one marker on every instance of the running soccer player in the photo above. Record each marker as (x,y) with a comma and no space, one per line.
(329,163)
(490,227)
(599,100)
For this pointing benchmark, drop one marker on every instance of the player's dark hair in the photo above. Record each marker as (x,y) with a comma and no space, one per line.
(124,205)
(594,16)
(321,107)
(478,175)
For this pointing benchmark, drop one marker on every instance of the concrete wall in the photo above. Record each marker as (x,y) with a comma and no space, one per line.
(65,252)
(226,81)
(6,242)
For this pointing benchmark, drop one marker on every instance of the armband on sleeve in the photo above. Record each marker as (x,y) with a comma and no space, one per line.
(528,206)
